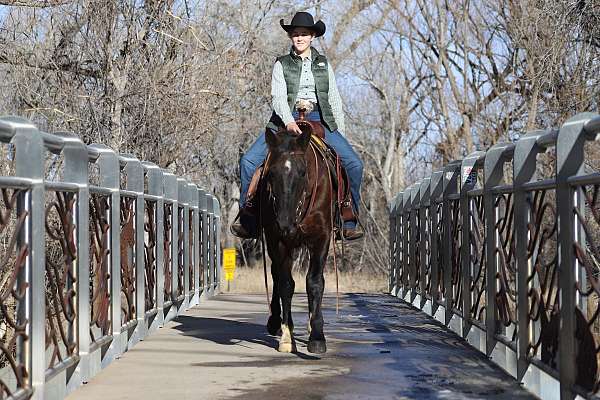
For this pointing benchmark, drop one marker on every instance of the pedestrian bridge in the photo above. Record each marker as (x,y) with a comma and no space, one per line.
(111,266)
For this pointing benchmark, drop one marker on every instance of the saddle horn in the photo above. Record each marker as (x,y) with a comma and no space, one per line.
(303,107)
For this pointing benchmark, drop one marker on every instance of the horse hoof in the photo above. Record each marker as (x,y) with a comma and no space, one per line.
(287,344)
(287,348)
(317,346)
(274,327)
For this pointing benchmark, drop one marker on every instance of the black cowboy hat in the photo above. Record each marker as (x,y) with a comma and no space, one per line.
(304,20)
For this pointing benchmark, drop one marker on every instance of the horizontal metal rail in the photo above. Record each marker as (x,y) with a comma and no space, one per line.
(510,260)
(97,258)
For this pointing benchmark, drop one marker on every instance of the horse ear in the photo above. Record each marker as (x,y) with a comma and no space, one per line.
(272,138)
(304,139)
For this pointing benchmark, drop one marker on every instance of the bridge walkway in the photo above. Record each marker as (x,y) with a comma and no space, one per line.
(378,348)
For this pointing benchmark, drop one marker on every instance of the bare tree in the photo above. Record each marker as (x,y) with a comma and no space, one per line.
(187,84)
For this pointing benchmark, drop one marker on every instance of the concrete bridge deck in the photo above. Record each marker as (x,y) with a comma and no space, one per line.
(378,348)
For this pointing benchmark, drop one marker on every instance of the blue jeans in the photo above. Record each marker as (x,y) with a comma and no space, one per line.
(350,161)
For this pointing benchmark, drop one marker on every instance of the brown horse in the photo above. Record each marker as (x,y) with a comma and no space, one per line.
(297,206)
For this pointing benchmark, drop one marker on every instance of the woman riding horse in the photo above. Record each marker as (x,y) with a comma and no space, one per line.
(303,74)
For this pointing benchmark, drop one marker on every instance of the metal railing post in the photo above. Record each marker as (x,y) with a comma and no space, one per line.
(183,200)
(210,242)
(413,210)
(76,171)
(170,194)
(450,188)
(218,264)
(569,162)
(29,157)
(493,170)
(135,183)
(468,181)
(423,206)
(435,193)
(195,227)
(407,259)
(392,244)
(108,165)
(524,170)
(408,256)
(156,188)
(202,205)
(399,244)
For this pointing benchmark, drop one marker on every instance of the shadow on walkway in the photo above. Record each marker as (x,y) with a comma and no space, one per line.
(224,331)
(229,332)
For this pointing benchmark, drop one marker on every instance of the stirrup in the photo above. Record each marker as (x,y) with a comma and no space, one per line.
(348,234)
(239,231)
(247,227)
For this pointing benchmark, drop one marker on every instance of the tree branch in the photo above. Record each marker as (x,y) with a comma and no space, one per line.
(34,3)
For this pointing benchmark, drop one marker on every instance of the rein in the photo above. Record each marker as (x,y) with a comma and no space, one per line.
(313,193)
(261,233)
(337,289)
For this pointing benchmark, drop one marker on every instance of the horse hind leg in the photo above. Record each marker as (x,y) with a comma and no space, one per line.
(274,322)
(316,338)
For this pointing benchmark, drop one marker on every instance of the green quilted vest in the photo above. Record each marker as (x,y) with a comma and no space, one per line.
(292,68)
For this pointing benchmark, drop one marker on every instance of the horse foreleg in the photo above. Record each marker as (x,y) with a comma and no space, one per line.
(315,285)
(276,256)
(283,289)
(287,343)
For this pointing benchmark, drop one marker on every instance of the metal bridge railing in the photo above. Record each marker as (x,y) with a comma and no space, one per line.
(97,250)
(504,248)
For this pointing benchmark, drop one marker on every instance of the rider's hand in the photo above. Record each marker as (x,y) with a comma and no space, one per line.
(293,127)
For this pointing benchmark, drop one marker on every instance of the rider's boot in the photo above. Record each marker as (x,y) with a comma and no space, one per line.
(352,233)
(349,232)
(350,218)
(245,225)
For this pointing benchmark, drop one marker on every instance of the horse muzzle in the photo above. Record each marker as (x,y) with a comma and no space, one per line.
(287,230)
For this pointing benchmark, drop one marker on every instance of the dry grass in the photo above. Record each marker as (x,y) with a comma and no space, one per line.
(251,280)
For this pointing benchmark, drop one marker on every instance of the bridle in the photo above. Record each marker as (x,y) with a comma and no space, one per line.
(301,212)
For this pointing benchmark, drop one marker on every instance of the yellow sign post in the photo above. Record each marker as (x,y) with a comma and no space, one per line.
(229,255)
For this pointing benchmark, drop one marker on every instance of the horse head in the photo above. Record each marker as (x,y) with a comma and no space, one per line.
(285,177)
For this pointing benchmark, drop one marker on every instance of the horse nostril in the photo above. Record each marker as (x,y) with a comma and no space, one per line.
(286,230)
